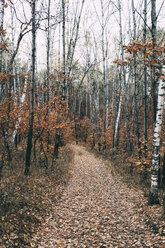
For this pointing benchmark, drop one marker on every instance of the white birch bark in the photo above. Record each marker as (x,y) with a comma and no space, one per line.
(92,108)
(120,76)
(119,108)
(59,48)
(73,42)
(104,72)
(135,79)
(91,100)
(113,106)
(107,84)
(97,102)
(126,82)
(22,99)
(86,112)
(156,144)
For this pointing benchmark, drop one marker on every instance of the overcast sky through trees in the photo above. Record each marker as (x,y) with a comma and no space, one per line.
(89,22)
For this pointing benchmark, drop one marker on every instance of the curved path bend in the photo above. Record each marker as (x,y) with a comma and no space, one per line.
(96,210)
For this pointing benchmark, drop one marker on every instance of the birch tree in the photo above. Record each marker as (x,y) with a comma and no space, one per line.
(158,106)
(103,26)
(135,79)
(156,144)
(74,39)
(97,101)
(24,29)
(103,21)
(117,124)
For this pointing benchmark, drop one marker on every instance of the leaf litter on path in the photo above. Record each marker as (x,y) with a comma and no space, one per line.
(96,210)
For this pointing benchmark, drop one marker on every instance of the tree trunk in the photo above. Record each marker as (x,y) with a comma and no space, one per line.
(117,124)
(98,113)
(48,67)
(135,80)
(73,42)
(21,101)
(86,114)
(153,199)
(126,82)
(104,75)
(154,39)
(92,109)
(1,35)
(31,117)
(145,76)
(3,84)
(114,105)
(56,144)
(64,49)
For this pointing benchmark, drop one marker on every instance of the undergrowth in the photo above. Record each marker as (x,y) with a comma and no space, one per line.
(26,200)
(140,180)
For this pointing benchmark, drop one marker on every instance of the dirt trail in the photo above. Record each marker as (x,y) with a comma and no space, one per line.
(96,210)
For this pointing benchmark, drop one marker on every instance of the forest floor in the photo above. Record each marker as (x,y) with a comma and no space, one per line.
(97,209)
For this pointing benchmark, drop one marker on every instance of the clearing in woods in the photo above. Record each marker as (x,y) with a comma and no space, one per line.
(96,210)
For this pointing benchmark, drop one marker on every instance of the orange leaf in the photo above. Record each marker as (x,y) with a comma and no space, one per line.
(146,55)
(153,62)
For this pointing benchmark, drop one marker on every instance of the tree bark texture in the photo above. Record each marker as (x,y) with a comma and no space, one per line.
(154,39)
(156,144)
(1,26)
(31,116)
(117,124)
(145,75)
(135,80)
(64,48)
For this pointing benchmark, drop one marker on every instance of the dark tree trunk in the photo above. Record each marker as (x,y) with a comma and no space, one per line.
(57,144)
(145,77)
(31,117)
(154,39)
(64,49)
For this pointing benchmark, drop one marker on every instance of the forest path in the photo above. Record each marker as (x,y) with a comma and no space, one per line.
(96,210)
